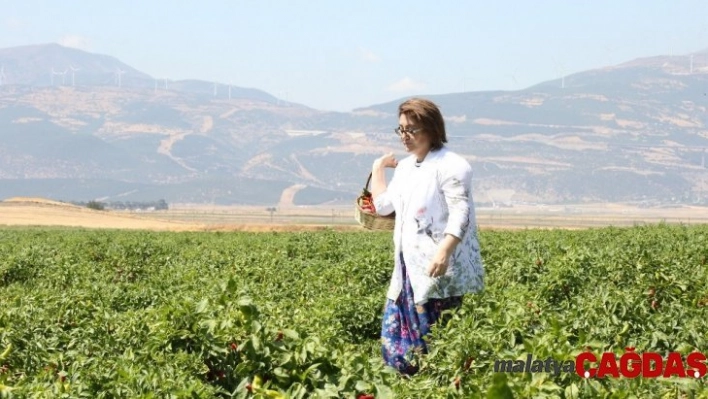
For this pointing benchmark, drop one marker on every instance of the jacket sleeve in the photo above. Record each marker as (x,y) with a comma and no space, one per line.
(384,201)
(456,183)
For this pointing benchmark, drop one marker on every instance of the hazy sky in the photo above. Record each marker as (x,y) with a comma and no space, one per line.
(337,55)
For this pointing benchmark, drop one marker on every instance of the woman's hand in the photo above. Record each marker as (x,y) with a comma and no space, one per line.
(438,265)
(441,260)
(386,161)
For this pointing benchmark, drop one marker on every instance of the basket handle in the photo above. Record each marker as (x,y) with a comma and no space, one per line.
(368,181)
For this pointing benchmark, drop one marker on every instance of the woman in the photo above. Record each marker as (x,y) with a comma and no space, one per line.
(437,257)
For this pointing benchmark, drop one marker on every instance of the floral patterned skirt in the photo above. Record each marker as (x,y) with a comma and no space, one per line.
(405,324)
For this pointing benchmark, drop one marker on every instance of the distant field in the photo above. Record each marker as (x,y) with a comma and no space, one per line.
(40,212)
(523,217)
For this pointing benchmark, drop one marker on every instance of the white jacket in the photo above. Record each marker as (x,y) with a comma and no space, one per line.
(432,200)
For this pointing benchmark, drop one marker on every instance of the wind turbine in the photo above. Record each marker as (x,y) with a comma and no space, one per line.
(73,74)
(230,89)
(514,82)
(51,74)
(561,70)
(279,96)
(2,75)
(119,73)
(691,63)
(215,86)
(671,45)
(464,84)
(286,94)
(610,50)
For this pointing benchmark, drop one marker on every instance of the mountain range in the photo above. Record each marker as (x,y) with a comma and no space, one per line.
(77,126)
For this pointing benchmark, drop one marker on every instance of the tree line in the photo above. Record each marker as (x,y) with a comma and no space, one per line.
(125,205)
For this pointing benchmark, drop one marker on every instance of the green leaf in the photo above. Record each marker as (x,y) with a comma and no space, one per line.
(572,391)
(684,349)
(383,392)
(281,372)
(500,389)
(232,286)
(6,352)
(209,324)
(202,306)
(362,386)
(291,334)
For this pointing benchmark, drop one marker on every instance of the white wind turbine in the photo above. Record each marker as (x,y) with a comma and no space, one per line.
(119,74)
(158,84)
(63,75)
(52,73)
(230,82)
(610,51)
(2,75)
(73,74)
(691,63)
(561,70)
(464,81)
(672,44)
(215,89)
(284,94)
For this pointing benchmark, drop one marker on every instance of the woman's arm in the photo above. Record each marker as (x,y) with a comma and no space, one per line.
(456,186)
(379,191)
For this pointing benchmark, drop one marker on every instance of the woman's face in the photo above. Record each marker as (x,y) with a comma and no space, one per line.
(416,143)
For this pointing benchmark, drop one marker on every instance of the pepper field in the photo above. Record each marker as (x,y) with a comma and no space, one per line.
(115,314)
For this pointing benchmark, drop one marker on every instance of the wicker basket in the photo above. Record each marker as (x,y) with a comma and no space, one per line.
(372,221)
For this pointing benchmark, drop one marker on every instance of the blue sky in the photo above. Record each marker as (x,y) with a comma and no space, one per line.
(335,55)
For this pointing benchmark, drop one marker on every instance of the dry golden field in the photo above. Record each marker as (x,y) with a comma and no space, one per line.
(42,212)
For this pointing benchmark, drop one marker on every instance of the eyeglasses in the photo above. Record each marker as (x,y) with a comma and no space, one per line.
(400,131)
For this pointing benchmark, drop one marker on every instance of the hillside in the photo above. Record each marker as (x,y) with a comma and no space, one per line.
(630,132)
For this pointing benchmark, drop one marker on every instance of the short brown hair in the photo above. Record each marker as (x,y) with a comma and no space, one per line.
(426,114)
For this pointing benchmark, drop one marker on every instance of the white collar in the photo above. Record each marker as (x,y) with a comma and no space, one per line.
(431,155)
